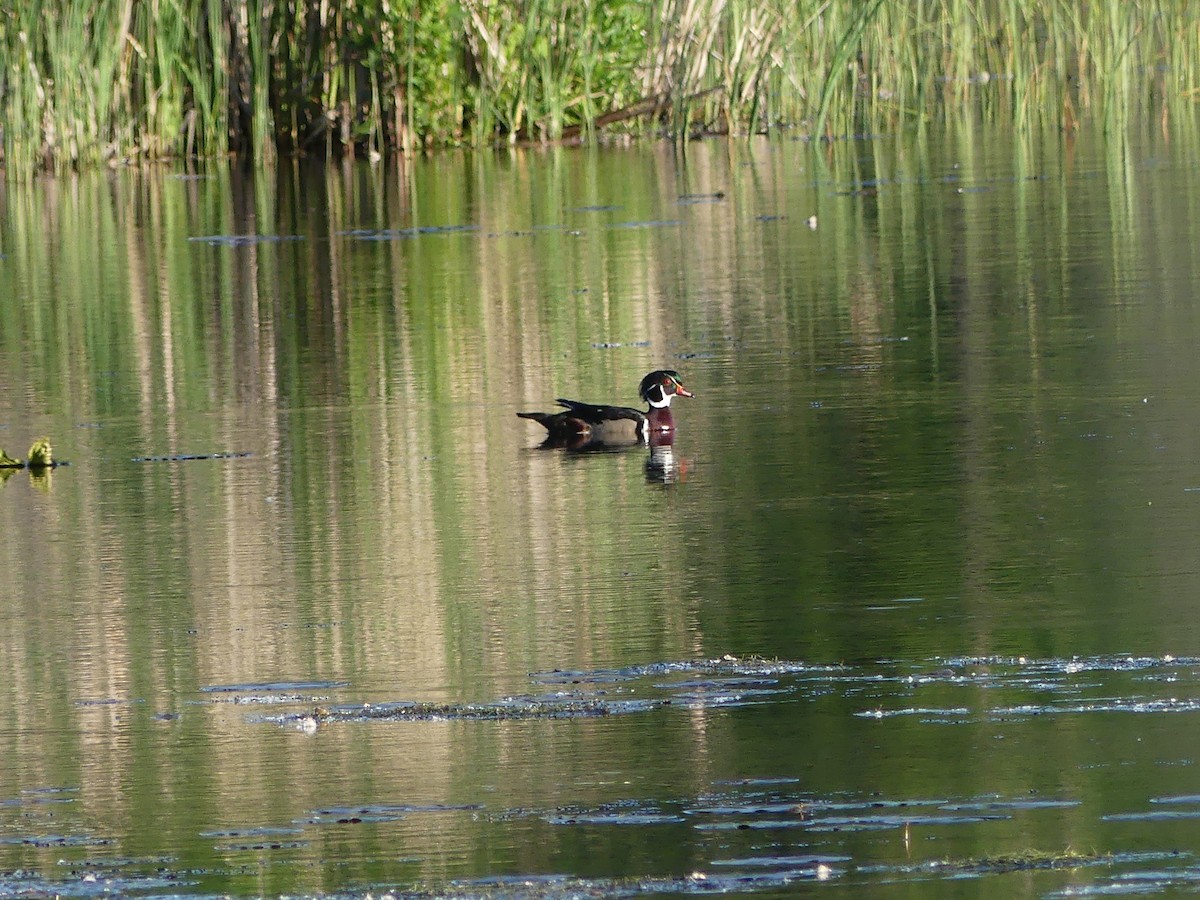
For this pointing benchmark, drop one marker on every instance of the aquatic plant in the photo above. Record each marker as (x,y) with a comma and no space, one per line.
(40,454)
(127,80)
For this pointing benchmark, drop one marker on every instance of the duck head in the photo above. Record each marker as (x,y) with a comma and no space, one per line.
(661,387)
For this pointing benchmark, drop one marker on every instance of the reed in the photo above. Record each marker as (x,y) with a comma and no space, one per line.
(129,80)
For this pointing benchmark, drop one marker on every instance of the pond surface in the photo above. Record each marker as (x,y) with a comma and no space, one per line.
(908,608)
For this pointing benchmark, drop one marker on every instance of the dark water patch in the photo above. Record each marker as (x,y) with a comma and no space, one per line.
(267,686)
(613,345)
(998,865)
(611,676)
(534,231)
(244,240)
(595,209)
(734,813)
(984,805)
(259,846)
(760,782)
(1145,881)
(887,822)
(49,795)
(256,832)
(393,234)
(729,666)
(690,199)
(1075,664)
(1124,705)
(547,706)
(730,681)
(711,882)
(190,457)
(722,695)
(269,699)
(1156,815)
(108,701)
(614,818)
(55,840)
(753,825)
(791,861)
(650,223)
(378,812)
(925,713)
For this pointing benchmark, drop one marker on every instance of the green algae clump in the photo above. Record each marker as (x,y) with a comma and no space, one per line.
(40,454)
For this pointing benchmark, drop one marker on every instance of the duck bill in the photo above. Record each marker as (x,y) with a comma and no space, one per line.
(682,391)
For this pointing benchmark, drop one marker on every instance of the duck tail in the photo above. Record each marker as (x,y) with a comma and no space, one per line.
(539,417)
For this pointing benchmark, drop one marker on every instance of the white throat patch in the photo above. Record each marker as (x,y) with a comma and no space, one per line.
(663,398)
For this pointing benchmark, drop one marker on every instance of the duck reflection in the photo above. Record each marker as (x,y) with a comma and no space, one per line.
(661,465)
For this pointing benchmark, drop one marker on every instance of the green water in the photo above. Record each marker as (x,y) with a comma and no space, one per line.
(909,610)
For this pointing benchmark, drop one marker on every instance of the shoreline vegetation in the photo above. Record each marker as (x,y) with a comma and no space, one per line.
(117,82)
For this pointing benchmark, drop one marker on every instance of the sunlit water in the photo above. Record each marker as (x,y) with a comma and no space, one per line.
(909,607)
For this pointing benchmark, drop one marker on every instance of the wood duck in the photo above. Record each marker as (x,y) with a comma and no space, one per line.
(587,424)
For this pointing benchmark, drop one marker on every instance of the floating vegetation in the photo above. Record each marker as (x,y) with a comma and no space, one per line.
(41,456)
(40,459)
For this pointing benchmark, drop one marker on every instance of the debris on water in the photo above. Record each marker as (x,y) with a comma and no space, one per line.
(715,197)
(189,457)
(252,687)
(651,223)
(392,234)
(614,818)
(243,240)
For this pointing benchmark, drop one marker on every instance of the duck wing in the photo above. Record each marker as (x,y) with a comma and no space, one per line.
(593,413)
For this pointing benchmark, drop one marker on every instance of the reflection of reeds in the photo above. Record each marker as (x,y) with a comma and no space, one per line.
(136,79)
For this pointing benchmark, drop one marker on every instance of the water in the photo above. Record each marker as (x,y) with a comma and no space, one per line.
(907,610)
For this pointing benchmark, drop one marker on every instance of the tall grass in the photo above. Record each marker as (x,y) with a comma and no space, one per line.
(126,80)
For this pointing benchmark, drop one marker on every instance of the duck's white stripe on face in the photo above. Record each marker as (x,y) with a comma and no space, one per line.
(658,398)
